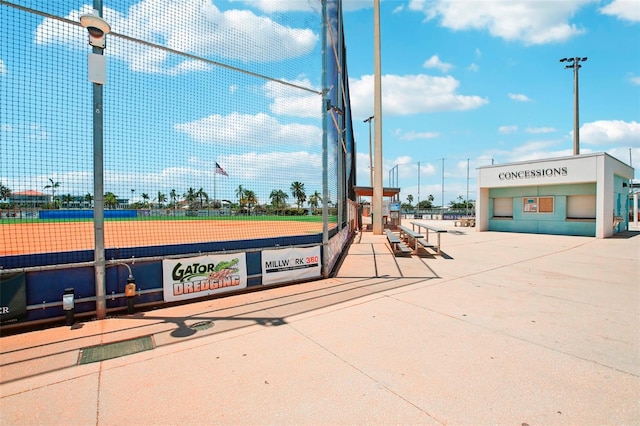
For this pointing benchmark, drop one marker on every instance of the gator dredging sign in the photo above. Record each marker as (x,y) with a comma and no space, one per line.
(200,276)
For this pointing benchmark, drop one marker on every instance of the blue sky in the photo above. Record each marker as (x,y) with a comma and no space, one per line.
(482,80)
(469,82)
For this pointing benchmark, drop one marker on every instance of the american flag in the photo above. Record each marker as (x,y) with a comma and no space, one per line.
(220,170)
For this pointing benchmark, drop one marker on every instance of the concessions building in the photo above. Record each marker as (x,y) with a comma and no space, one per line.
(584,195)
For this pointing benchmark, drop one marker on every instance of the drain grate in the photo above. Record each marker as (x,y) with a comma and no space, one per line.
(201,325)
(115,350)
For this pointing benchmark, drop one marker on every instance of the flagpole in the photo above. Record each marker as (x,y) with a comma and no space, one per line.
(215,178)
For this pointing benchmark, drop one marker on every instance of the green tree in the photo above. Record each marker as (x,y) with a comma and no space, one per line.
(240,195)
(190,197)
(67,199)
(410,199)
(88,198)
(174,197)
(5,192)
(52,186)
(145,198)
(297,190)
(250,198)
(202,196)
(278,198)
(162,198)
(110,200)
(314,200)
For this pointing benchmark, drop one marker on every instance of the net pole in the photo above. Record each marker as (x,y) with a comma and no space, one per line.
(98,188)
(325,161)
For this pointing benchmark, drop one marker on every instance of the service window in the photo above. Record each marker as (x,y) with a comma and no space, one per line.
(581,207)
(503,207)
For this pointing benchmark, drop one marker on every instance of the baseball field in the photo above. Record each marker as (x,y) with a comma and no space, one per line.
(19,237)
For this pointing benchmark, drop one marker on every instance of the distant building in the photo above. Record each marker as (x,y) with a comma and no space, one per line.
(29,198)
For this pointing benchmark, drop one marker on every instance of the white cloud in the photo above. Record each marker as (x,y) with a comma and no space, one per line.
(539,130)
(531,22)
(411,94)
(518,97)
(505,130)
(412,135)
(252,131)
(276,6)
(196,27)
(435,62)
(635,80)
(288,100)
(3,68)
(473,67)
(623,9)
(605,132)
(398,9)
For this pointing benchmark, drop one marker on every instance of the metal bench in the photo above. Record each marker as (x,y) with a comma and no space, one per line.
(397,246)
(427,229)
(414,239)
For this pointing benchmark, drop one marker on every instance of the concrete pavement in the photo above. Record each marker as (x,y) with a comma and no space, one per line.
(504,328)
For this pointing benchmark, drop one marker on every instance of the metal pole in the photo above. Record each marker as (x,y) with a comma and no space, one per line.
(368,120)
(98,188)
(377,112)
(576,107)
(466,203)
(442,206)
(325,160)
(418,204)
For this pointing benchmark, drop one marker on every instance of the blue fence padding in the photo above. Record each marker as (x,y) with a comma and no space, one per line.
(48,286)
(85,214)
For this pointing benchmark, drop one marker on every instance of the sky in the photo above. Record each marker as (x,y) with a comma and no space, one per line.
(481,80)
(464,84)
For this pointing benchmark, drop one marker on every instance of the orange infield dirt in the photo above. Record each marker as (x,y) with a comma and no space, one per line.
(31,238)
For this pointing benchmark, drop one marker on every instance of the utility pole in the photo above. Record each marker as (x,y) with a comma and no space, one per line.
(575,64)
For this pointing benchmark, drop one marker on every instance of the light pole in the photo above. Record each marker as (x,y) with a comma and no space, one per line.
(575,64)
(98,29)
(377,112)
(368,120)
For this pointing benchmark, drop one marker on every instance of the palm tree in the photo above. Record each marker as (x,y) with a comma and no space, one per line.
(278,198)
(52,185)
(410,199)
(174,196)
(250,198)
(67,199)
(110,200)
(240,194)
(5,192)
(88,198)
(190,196)
(314,200)
(145,197)
(297,190)
(202,195)
(161,199)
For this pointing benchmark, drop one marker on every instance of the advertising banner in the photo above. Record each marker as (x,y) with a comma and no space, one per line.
(13,297)
(290,264)
(200,276)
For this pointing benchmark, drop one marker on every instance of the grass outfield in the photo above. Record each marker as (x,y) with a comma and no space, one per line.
(305,219)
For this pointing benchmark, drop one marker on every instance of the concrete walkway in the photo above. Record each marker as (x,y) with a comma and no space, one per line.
(503,328)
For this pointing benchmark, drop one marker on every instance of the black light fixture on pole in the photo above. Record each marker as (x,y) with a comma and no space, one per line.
(575,64)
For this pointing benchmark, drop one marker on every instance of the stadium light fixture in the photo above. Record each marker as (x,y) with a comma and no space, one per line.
(575,65)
